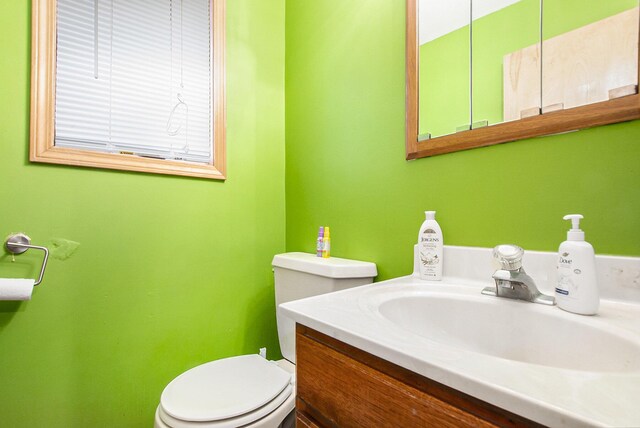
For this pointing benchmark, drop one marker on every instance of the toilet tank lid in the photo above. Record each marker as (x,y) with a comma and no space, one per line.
(332,267)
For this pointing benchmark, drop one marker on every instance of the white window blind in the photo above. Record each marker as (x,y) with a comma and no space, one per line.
(134,76)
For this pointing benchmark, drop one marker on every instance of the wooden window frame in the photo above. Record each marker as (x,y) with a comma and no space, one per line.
(43,88)
(603,113)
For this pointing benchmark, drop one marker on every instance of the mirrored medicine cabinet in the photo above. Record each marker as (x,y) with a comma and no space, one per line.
(483,72)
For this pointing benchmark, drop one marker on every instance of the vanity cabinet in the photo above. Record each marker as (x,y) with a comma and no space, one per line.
(342,386)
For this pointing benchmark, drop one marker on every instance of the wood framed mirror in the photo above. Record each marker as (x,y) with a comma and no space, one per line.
(575,87)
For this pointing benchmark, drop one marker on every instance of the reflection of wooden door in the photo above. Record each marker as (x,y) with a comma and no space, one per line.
(593,63)
(521,81)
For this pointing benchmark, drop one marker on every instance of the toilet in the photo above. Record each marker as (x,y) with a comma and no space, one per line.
(248,390)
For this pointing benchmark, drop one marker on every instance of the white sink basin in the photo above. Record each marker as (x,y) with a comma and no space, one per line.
(538,361)
(513,330)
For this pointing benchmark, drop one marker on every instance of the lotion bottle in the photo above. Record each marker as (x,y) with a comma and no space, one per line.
(430,244)
(577,287)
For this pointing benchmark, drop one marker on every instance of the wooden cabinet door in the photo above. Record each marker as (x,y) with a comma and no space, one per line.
(341,386)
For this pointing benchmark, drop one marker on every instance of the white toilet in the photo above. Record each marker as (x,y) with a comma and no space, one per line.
(248,390)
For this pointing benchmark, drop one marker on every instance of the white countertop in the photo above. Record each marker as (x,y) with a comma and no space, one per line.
(545,393)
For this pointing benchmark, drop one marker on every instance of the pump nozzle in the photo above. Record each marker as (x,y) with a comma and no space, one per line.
(574,234)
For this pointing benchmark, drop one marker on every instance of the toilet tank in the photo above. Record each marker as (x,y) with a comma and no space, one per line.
(300,275)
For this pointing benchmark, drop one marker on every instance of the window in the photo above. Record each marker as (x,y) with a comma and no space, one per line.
(135,85)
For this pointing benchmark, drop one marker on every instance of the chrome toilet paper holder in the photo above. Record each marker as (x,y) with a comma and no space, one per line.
(18,243)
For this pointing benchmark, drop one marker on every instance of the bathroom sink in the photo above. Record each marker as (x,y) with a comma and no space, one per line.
(513,330)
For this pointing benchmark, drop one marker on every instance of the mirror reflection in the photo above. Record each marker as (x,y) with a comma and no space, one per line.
(590,52)
(484,62)
(506,83)
(444,68)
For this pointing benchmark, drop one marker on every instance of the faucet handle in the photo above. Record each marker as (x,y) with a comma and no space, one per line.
(509,256)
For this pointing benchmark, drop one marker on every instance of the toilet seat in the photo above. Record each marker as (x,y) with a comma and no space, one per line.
(230,392)
(282,405)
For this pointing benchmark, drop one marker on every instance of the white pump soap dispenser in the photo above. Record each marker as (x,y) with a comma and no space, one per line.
(577,287)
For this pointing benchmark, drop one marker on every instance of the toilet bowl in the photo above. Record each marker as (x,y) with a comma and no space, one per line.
(249,390)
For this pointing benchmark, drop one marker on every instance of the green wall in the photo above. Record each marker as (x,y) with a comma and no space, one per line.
(171,272)
(345,166)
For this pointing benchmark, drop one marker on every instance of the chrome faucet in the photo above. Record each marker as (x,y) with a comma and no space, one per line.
(512,281)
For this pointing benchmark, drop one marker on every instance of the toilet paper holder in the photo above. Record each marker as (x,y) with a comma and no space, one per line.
(18,243)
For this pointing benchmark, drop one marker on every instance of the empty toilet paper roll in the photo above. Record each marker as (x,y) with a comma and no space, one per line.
(16,289)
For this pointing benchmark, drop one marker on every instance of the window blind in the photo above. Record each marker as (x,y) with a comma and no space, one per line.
(134,76)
